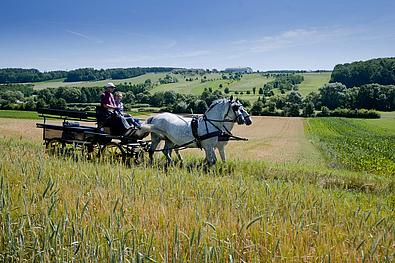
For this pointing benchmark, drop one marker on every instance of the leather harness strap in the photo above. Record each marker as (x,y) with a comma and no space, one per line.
(194,126)
(222,135)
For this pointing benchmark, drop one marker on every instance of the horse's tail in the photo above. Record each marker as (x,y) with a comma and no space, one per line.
(142,131)
(153,128)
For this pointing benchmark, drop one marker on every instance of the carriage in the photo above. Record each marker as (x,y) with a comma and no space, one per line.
(80,136)
(209,131)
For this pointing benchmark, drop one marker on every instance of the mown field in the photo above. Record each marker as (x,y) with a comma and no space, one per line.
(60,82)
(196,87)
(313,81)
(14,114)
(56,209)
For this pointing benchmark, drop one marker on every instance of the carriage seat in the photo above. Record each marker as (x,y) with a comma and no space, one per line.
(106,122)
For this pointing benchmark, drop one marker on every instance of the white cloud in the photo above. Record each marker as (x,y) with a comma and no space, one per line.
(291,38)
(97,40)
(189,54)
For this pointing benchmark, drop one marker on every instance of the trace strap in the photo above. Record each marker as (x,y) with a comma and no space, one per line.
(199,139)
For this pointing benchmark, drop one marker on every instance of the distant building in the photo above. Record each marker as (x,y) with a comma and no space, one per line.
(239,70)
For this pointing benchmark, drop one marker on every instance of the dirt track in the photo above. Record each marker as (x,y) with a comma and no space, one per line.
(273,139)
(276,139)
(24,129)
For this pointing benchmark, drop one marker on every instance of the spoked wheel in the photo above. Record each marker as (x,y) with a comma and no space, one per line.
(112,152)
(140,157)
(92,151)
(71,150)
(54,147)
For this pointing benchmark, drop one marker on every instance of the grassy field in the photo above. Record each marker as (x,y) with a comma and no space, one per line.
(247,83)
(59,83)
(196,86)
(14,114)
(313,81)
(55,209)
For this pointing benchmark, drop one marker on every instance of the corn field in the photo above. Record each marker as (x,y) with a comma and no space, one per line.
(354,144)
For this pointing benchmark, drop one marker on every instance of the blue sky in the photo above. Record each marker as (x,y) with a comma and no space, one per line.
(265,35)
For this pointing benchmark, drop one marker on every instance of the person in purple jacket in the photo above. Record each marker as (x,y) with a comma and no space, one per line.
(115,119)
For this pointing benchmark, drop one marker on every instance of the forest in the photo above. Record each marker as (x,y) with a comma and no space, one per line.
(380,71)
(19,75)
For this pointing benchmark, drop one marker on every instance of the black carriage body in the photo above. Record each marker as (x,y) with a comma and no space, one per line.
(70,134)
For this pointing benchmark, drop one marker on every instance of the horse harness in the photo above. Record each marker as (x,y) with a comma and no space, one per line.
(222,135)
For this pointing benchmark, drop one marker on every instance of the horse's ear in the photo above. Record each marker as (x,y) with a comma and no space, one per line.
(231,98)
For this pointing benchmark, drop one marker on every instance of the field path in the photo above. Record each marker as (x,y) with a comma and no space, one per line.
(17,128)
(274,139)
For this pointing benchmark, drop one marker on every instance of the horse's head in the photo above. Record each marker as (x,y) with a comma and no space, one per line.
(241,114)
(228,110)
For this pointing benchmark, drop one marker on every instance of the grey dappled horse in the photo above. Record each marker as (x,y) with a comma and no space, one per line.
(177,130)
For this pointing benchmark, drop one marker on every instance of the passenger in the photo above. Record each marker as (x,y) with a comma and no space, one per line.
(118,96)
(112,117)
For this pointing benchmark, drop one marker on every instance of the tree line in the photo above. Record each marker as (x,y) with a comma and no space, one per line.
(355,74)
(355,89)
(19,75)
(332,99)
(329,99)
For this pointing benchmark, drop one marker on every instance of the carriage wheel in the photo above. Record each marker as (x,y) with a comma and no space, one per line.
(91,151)
(54,147)
(140,157)
(112,152)
(70,151)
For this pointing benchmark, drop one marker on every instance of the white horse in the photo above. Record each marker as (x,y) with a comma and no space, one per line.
(228,126)
(177,130)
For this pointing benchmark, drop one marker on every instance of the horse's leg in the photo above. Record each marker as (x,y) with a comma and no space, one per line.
(221,150)
(169,147)
(179,155)
(210,155)
(167,151)
(155,139)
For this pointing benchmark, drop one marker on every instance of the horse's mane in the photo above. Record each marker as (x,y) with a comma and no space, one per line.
(215,102)
(218,101)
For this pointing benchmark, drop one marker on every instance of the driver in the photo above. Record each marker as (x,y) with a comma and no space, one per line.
(117,122)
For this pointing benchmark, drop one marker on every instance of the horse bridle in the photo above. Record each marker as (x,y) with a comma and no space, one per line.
(211,121)
(219,133)
(226,115)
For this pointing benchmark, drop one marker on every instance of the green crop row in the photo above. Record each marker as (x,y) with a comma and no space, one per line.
(354,144)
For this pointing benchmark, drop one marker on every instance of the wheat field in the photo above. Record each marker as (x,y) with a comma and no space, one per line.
(54,208)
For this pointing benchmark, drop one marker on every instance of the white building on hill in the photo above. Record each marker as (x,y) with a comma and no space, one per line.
(239,70)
